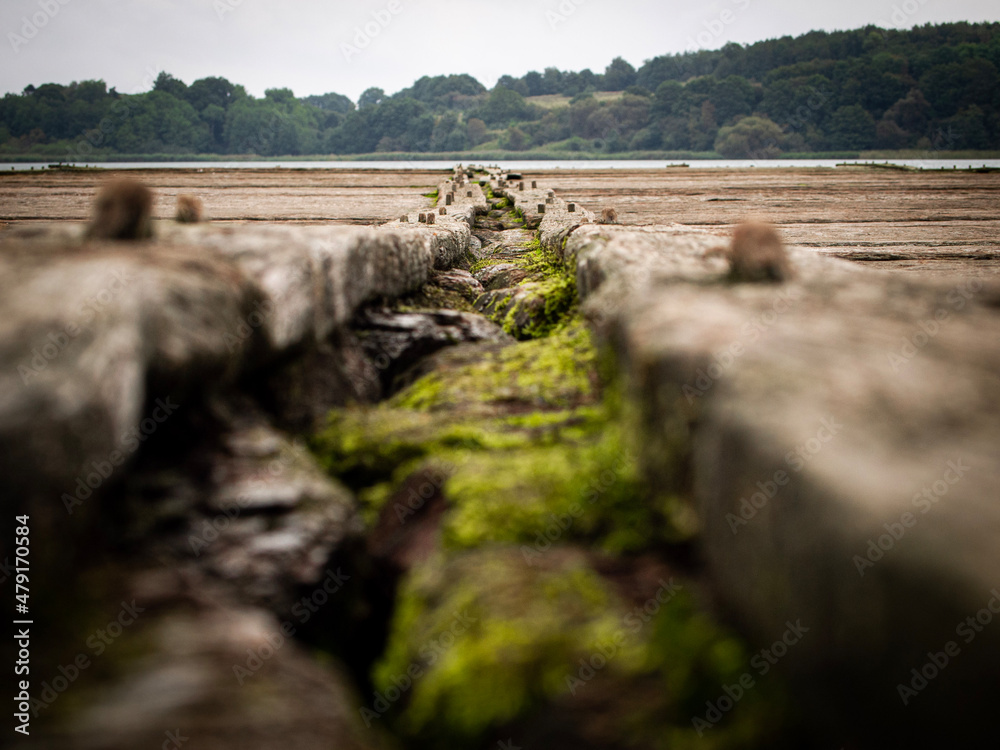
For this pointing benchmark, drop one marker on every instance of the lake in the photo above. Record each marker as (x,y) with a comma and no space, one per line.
(518,165)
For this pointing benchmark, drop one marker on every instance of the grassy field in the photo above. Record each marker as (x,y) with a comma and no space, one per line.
(554,101)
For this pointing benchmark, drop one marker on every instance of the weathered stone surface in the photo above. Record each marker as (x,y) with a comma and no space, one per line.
(181,683)
(451,233)
(124,324)
(87,337)
(632,256)
(545,211)
(318,276)
(299,390)
(500,276)
(457,280)
(114,359)
(810,422)
(261,518)
(395,342)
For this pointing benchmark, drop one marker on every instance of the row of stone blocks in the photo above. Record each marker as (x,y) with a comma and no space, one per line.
(837,439)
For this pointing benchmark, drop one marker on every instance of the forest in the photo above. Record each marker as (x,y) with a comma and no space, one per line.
(932,88)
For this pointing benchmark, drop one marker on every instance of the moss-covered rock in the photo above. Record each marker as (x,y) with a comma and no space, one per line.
(530,291)
(555,373)
(490,643)
(531,309)
(528,447)
(493,636)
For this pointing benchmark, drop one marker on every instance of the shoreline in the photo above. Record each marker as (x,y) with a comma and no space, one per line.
(517,156)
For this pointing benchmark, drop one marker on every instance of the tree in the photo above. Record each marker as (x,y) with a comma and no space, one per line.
(159,122)
(217,91)
(283,97)
(670,99)
(370,97)
(443,91)
(852,128)
(444,127)
(750,138)
(659,70)
(535,83)
(215,117)
(580,111)
(646,139)
(889,135)
(514,139)
(167,83)
(260,126)
(552,81)
(732,97)
(330,103)
(967,129)
(630,113)
(505,107)
(618,76)
(476,129)
(514,84)
(588,80)
(911,113)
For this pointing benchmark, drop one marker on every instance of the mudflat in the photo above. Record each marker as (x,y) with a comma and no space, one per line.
(306,196)
(937,222)
(929,222)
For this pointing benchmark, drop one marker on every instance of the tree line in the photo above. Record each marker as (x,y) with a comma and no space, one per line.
(930,87)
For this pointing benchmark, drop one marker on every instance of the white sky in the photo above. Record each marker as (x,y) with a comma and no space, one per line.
(314,46)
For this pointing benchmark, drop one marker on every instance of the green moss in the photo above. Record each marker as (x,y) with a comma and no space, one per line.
(433,297)
(366,446)
(554,373)
(577,480)
(525,441)
(479,265)
(493,637)
(435,197)
(542,302)
(540,308)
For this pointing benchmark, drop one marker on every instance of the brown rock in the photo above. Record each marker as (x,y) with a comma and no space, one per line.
(123,210)
(757,254)
(189,209)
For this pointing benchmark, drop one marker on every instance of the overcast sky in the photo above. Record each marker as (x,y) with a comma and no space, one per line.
(316,46)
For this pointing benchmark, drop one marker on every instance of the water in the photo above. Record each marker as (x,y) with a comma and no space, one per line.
(517,165)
